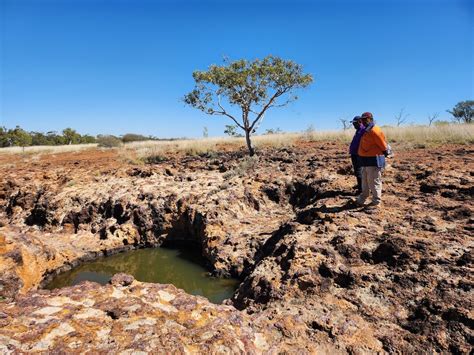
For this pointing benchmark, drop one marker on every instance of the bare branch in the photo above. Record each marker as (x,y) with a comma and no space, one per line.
(401,117)
(433,117)
(345,123)
(224,113)
(269,104)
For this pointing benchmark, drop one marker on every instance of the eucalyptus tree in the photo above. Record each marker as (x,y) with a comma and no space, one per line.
(244,90)
(71,136)
(463,112)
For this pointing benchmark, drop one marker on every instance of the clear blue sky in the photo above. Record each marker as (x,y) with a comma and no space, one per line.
(121,66)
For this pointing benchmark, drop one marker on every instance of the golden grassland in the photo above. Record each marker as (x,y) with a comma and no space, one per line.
(47,149)
(406,137)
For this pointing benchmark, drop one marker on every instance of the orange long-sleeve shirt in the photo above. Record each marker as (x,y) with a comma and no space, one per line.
(372,143)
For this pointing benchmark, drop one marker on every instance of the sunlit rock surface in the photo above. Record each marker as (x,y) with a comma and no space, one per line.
(124,316)
(318,273)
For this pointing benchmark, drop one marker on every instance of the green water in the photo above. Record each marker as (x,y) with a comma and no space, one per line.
(182,268)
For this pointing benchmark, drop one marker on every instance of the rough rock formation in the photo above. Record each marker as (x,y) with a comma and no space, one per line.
(318,273)
(125,316)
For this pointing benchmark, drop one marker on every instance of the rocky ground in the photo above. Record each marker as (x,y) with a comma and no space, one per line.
(318,273)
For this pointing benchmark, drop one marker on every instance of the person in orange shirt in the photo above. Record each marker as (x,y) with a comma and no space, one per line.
(373,149)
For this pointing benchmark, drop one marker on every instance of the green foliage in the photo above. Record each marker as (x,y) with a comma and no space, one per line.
(4,141)
(273,131)
(38,138)
(231,130)
(108,141)
(463,112)
(88,139)
(71,136)
(252,86)
(20,137)
(132,137)
(441,123)
(55,138)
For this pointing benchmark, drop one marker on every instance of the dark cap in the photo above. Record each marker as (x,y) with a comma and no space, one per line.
(367,115)
(356,119)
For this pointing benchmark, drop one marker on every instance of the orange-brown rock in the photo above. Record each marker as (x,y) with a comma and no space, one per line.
(318,273)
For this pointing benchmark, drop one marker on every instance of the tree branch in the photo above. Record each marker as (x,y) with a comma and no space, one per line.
(224,113)
(277,94)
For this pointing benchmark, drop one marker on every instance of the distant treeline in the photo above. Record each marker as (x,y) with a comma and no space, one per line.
(18,137)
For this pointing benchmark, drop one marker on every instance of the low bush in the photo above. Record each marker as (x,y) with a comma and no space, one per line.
(108,141)
(132,137)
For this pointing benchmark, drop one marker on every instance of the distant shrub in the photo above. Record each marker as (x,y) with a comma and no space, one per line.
(155,159)
(132,137)
(441,123)
(87,139)
(107,141)
(273,131)
(18,137)
(231,130)
(244,167)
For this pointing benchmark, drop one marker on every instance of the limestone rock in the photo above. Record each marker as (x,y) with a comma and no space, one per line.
(319,274)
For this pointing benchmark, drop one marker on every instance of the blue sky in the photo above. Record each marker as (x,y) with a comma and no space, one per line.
(118,66)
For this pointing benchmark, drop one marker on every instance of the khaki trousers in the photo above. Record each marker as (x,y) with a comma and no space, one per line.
(371,182)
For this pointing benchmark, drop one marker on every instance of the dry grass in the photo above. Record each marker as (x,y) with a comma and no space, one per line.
(153,151)
(53,149)
(328,136)
(422,135)
(434,135)
(411,136)
(159,150)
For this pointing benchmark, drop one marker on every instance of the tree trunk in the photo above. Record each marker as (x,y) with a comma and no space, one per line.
(249,143)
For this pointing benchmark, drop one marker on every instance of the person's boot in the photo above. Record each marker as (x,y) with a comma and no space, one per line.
(375,205)
(359,201)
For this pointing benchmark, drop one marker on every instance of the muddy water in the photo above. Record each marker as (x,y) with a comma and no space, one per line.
(182,268)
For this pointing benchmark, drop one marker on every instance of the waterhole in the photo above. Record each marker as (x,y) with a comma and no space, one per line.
(181,267)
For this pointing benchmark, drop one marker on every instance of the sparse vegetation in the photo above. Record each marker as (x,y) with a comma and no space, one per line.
(108,141)
(160,151)
(154,151)
(244,167)
(345,124)
(254,87)
(463,112)
(47,149)
(434,135)
(273,131)
(18,137)
(133,137)
(401,117)
(432,118)
(231,130)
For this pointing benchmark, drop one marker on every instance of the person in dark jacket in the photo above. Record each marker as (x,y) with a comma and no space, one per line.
(353,151)
(373,148)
